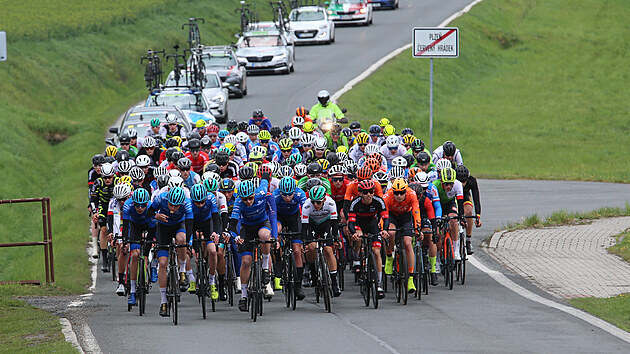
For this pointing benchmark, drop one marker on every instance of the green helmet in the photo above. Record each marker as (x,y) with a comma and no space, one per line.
(155,122)
(211,184)
(317,193)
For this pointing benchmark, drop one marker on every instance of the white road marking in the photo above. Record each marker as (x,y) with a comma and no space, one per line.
(381,342)
(90,345)
(68,333)
(597,322)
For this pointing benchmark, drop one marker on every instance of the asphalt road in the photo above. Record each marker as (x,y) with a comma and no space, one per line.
(481,316)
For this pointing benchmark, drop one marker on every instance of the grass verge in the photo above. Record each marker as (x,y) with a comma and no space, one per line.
(539,91)
(615,310)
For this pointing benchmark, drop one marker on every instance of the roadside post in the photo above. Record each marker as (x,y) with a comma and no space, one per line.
(434,42)
(3,46)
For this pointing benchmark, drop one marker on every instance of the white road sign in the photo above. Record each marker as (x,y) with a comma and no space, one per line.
(442,42)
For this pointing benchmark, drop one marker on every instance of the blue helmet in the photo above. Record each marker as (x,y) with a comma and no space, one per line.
(140,196)
(198,193)
(246,189)
(176,196)
(287,185)
(223,133)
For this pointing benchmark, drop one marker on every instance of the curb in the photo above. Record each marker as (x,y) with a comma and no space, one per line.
(494,240)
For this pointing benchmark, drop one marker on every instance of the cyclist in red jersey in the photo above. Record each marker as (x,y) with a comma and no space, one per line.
(196,156)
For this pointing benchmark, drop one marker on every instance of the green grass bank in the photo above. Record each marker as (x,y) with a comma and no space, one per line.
(539,91)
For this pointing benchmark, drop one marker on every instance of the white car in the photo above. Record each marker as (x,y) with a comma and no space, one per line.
(311,24)
(266,51)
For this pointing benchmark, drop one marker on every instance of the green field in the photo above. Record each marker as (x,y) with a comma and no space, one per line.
(539,91)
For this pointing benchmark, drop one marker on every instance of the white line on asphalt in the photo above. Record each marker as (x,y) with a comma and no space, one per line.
(68,333)
(375,338)
(347,87)
(503,280)
(90,345)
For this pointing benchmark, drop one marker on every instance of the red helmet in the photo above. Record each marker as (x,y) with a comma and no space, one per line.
(373,164)
(212,129)
(365,172)
(262,169)
(366,185)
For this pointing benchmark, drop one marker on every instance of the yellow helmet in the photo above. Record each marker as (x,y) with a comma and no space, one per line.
(231,147)
(399,185)
(408,139)
(200,123)
(383,122)
(125,179)
(178,139)
(342,148)
(308,127)
(324,163)
(111,151)
(362,138)
(389,130)
(254,166)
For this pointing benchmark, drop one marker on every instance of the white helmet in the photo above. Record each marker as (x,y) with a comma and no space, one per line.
(231,139)
(442,164)
(396,172)
(342,156)
(160,171)
(143,160)
(107,170)
(392,141)
(294,133)
(399,161)
(171,118)
(206,175)
(136,173)
(125,166)
(422,178)
(175,181)
(307,139)
(256,182)
(298,121)
(300,170)
(174,173)
(275,166)
(149,142)
(336,169)
(241,137)
(212,175)
(371,148)
(122,191)
(259,148)
(320,144)
(252,129)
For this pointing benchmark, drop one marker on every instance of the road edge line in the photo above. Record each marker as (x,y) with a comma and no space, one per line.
(69,335)
(586,317)
(369,71)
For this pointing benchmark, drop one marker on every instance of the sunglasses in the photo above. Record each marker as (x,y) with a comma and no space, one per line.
(149,148)
(317,202)
(337,179)
(287,151)
(222,164)
(213,135)
(185,169)
(369,191)
(287,194)
(124,144)
(141,206)
(320,149)
(307,145)
(448,184)
(335,134)
(356,130)
(173,124)
(264,141)
(248,199)
(400,193)
(362,144)
(108,177)
(394,148)
(200,202)
(375,135)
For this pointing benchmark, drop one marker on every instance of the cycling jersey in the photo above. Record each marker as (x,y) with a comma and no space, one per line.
(155,157)
(310,156)
(389,155)
(263,208)
(199,162)
(302,184)
(338,194)
(193,178)
(263,123)
(114,217)
(355,153)
(278,157)
(133,151)
(361,213)
(333,145)
(457,158)
(101,194)
(166,133)
(205,212)
(92,177)
(456,193)
(183,213)
(409,204)
(472,186)
(352,191)
(328,211)
(130,213)
(292,207)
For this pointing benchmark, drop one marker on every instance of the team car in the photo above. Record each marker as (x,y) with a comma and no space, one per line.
(193,103)
(266,51)
(139,118)
(350,12)
(222,59)
(214,89)
(384,4)
(310,24)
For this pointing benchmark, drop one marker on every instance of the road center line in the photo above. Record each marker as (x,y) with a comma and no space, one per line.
(372,336)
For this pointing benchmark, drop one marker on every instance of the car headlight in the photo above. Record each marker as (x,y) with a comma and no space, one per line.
(322,35)
(280,57)
(363,10)
(330,12)
(218,98)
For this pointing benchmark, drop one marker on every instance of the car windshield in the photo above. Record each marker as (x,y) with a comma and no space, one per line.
(187,101)
(261,41)
(137,117)
(307,16)
(212,81)
(346,1)
(219,60)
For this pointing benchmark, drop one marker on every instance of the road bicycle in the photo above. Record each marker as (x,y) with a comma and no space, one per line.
(194,37)
(368,277)
(289,269)
(202,271)
(196,68)
(153,69)
(255,285)
(323,283)
(247,16)
(144,273)
(177,66)
(400,273)
(230,272)
(422,268)
(173,290)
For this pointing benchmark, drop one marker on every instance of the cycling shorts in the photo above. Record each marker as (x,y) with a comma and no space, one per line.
(204,228)
(467,199)
(318,231)
(166,233)
(370,226)
(293,223)
(250,232)
(135,234)
(449,207)
(404,220)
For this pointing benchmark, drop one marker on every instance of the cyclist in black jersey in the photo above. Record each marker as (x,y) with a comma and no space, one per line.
(470,186)
(93,174)
(102,192)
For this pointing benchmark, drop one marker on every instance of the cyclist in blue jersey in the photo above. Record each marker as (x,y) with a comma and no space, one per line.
(289,201)
(256,210)
(174,215)
(286,150)
(190,177)
(136,220)
(226,188)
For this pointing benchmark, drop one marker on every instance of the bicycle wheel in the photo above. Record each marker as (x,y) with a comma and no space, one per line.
(462,252)
(140,292)
(287,281)
(397,277)
(418,272)
(319,279)
(253,293)
(364,281)
(325,282)
(404,275)
(230,276)
(449,264)
(341,266)
(374,280)
(385,277)
(202,284)
(174,286)
(111,256)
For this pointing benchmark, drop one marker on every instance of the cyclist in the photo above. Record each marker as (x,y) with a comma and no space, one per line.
(227,189)
(289,201)
(121,193)
(392,149)
(366,211)
(376,135)
(256,210)
(314,171)
(138,178)
(190,177)
(303,112)
(136,220)
(259,119)
(449,152)
(196,156)
(125,145)
(264,140)
(451,194)
(93,174)
(102,192)
(227,168)
(335,139)
(424,191)
(470,185)
(319,218)
(149,148)
(319,151)
(325,108)
(358,150)
(286,149)
(174,215)
(172,128)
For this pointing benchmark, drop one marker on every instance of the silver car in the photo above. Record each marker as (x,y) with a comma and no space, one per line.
(311,24)
(215,90)
(266,51)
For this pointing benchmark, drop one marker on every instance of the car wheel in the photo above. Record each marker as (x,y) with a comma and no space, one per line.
(293,67)
(371,18)
(332,40)
(397,3)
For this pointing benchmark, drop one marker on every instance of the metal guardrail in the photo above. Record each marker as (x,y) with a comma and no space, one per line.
(47,242)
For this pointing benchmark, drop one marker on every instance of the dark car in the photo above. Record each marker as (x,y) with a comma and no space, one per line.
(223,60)
(139,118)
(384,4)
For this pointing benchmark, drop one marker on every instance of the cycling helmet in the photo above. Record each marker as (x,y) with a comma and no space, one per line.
(212,128)
(462,173)
(211,184)
(176,195)
(312,182)
(107,170)
(245,173)
(342,156)
(275,131)
(133,133)
(170,142)
(337,170)
(407,131)
(206,143)
(300,170)
(123,155)
(124,138)
(275,166)
(231,148)
(125,180)
(412,172)
(246,189)
(408,139)
(375,130)
(372,164)
(264,169)
(285,144)
(212,175)
(320,144)
(149,142)
(136,174)
(308,127)
(177,155)
(422,178)
(198,193)
(169,153)
(423,158)
(366,185)
(226,185)
(381,177)
(170,118)
(258,113)
(399,185)
(194,144)
(294,133)
(223,133)
(298,121)
(286,171)
(231,125)
(399,161)
(98,159)
(253,129)
(174,173)
(325,165)
(323,97)
(242,126)
(365,172)
(317,193)
(372,149)
(242,137)
(122,191)
(175,181)
(355,125)
(442,164)
(253,166)
(417,145)
(384,122)
(111,151)
(155,122)
(301,111)
(294,159)
(392,142)
(342,148)
(389,130)
(160,171)
(140,196)
(376,156)
(314,169)
(287,185)
(351,167)
(449,148)
(257,155)
(124,167)
(347,132)
(264,135)
(332,158)
(200,124)
(396,172)
(184,163)
(307,139)
(212,167)
(409,159)
(448,175)
(143,161)
(362,138)
(162,181)
(178,139)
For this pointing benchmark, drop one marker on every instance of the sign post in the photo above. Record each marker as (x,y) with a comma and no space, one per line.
(434,42)
(3,46)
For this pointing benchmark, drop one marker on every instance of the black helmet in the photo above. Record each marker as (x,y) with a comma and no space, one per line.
(245,173)
(258,113)
(109,159)
(171,142)
(122,155)
(177,155)
(312,182)
(332,158)
(184,163)
(407,131)
(212,167)
(355,125)
(462,173)
(347,132)
(323,97)
(242,126)
(417,145)
(221,157)
(159,140)
(409,158)
(423,157)
(314,168)
(124,138)
(162,181)
(193,135)
(206,143)
(227,184)
(449,148)
(194,144)
(98,159)
(375,129)
(231,125)
(169,153)
(275,131)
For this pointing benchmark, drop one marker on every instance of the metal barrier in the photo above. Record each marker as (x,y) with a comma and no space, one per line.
(47,243)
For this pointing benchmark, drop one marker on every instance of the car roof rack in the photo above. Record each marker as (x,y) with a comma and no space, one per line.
(301,3)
